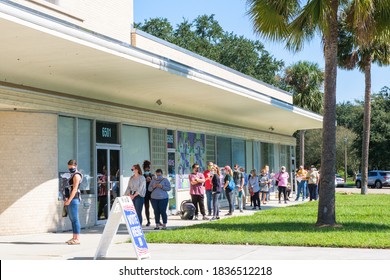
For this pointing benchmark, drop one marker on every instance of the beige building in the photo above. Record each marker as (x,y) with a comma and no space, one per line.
(77,82)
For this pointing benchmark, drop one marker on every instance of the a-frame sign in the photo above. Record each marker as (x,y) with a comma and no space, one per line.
(123,207)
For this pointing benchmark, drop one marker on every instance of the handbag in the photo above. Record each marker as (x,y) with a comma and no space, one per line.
(64,212)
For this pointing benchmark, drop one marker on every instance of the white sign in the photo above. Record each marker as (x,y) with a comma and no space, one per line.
(123,207)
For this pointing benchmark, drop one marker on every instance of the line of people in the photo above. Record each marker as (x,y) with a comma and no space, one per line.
(236,184)
(307,183)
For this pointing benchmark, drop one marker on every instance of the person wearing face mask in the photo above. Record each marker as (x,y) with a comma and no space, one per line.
(148,178)
(313,177)
(72,201)
(159,188)
(136,189)
(208,175)
(282,178)
(197,190)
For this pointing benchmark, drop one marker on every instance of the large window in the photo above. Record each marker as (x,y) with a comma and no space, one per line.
(238,151)
(135,147)
(224,151)
(75,142)
(256,157)
(267,152)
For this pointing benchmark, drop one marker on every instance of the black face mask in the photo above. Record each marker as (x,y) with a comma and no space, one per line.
(72,170)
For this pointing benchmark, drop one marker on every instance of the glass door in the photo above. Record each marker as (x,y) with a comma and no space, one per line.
(108,182)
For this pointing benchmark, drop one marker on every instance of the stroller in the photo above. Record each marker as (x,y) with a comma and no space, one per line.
(187,210)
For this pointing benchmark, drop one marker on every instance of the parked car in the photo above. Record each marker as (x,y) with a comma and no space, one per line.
(339,181)
(375,179)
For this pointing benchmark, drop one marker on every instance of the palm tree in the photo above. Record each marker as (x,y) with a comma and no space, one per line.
(292,23)
(304,80)
(363,39)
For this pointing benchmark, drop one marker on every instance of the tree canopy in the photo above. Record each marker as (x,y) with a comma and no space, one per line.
(204,36)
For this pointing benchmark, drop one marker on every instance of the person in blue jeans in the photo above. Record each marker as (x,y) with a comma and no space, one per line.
(239,181)
(72,201)
(159,188)
(208,187)
(136,189)
(302,183)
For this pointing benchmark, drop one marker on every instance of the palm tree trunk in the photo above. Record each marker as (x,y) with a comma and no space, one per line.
(302,147)
(366,123)
(326,206)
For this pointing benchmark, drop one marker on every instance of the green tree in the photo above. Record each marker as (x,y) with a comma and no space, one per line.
(362,41)
(292,23)
(380,129)
(304,80)
(206,37)
(159,27)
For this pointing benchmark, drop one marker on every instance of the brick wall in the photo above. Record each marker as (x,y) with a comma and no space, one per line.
(28,182)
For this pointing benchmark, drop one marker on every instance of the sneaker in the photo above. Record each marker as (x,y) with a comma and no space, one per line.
(218,218)
(205,218)
(228,214)
(196,218)
(280,202)
(209,214)
(241,211)
(148,224)
(157,228)
(259,208)
(285,202)
(254,208)
(296,199)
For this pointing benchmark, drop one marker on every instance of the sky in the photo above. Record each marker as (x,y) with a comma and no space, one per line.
(232,17)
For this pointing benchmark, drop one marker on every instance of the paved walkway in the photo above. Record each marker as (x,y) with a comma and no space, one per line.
(48,246)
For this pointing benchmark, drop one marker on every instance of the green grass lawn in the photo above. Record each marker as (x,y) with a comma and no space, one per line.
(364,223)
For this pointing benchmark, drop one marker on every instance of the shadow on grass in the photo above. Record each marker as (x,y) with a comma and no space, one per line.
(289,227)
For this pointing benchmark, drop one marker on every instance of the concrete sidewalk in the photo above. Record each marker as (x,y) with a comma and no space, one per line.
(52,246)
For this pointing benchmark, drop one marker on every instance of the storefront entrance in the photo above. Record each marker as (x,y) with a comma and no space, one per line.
(108,178)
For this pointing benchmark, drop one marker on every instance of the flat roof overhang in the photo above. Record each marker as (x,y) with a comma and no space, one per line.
(43,53)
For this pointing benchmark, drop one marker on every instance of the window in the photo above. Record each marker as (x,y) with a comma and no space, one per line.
(75,142)
(224,151)
(135,146)
(238,150)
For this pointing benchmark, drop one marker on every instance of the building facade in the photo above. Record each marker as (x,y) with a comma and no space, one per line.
(77,82)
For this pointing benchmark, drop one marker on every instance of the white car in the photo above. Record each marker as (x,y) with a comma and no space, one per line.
(339,181)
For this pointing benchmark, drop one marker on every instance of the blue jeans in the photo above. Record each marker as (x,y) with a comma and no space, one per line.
(236,194)
(160,209)
(209,198)
(73,213)
(302,188)
(138,202)
(216,197)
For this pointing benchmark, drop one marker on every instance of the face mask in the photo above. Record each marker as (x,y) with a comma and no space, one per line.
(72,170)
(159,177)
(209,167)
(147,172)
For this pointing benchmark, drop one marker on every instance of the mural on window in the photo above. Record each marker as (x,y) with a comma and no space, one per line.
(190,149)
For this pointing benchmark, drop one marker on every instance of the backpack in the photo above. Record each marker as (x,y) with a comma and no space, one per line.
(67,184)
(231,184)
(187,210)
